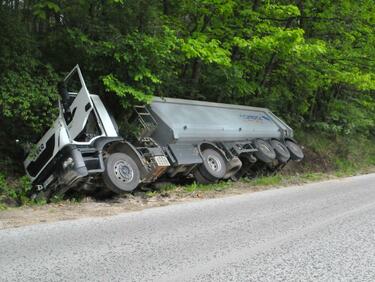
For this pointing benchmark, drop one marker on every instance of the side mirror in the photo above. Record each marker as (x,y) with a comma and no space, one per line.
(25,147)
(63,92)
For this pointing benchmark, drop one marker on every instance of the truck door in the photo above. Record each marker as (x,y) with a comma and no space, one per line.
(83,119)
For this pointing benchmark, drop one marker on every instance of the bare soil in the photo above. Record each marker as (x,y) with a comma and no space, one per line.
(16,217)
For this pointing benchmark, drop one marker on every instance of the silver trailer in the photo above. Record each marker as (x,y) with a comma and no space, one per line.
(174,138)
(213,140)
(188,121)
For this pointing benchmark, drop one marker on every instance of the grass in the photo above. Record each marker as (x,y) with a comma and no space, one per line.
(285,180)
(262,181)
(343,155)
(194,187)
(3,207)
(190,188)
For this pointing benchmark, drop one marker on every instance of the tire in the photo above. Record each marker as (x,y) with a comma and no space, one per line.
(214,166)
(199,178)
(265,151)
(121,173)
(296,153)
(282,152)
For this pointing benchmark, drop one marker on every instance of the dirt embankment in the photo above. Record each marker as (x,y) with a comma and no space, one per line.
(16,217)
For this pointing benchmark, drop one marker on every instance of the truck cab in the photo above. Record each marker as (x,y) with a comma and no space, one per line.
(74,151)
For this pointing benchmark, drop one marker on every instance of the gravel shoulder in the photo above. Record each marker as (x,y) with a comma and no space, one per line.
(88,207)
(66,210)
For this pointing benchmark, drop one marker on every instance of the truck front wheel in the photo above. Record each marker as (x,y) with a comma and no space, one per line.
(121,173)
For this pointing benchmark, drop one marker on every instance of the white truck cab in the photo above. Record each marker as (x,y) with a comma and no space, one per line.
(71,152)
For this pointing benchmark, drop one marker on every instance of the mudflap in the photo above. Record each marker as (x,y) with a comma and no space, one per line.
(233,166)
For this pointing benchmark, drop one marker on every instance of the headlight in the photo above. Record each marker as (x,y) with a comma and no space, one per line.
(68,162)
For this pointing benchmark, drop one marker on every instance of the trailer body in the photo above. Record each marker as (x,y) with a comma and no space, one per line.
(189,121)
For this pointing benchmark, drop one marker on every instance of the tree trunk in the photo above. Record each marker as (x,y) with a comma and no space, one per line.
(195,75)
(256,4)
(301,7)
(165,7)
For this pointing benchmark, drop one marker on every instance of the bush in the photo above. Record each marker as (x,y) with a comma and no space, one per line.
(27,87)
(14,192)
(346,154)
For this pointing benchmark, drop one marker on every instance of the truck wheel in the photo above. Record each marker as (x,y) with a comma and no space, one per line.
(199,178)
(213,167)
(121,173)
(265,151)
(296,152)
(282,152)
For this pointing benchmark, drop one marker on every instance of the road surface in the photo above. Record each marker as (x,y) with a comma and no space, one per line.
(316,232)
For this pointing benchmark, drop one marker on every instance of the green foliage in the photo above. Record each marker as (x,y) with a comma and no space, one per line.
(311,62)
(206,50)
(280,11)
(27,98)
(112,84)
(42,8)
(15,192)
(306,61)
(341,154)
(27,86)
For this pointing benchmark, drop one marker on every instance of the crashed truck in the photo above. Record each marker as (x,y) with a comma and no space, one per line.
(175,139)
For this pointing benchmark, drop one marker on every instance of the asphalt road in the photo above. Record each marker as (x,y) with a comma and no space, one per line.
(317,232)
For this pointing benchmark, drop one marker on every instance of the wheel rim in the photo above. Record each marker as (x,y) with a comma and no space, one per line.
(265,149)
(214,163)
(295,148)
(281,148)
(123,171)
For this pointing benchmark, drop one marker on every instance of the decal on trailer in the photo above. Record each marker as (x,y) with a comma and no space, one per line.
(255,118)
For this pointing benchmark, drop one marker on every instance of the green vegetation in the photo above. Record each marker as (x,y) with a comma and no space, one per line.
(311,62)
(285,180)
(15,193)
(200,187)
(344,155)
